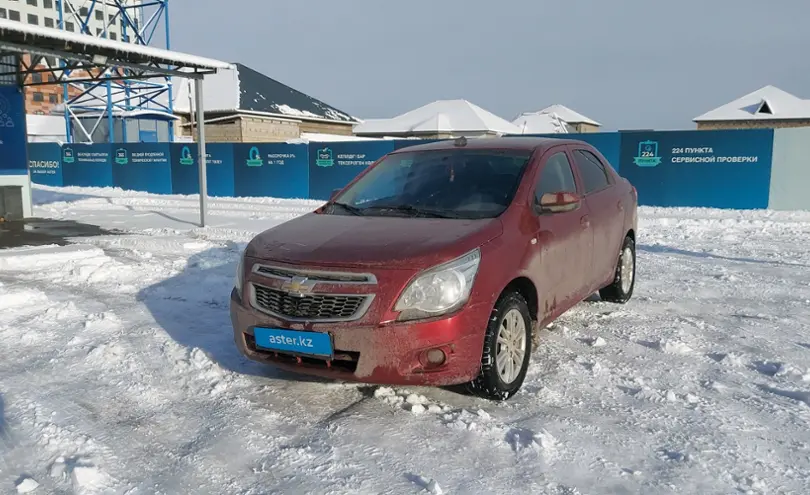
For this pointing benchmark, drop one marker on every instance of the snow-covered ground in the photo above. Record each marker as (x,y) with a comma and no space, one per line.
(118,372)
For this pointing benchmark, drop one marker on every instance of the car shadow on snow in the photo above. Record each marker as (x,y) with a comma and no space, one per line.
(193,308)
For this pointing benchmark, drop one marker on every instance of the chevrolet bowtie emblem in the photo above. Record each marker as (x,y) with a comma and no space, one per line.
(299,285)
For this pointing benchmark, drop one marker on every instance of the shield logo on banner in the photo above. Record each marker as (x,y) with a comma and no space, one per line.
(647,154)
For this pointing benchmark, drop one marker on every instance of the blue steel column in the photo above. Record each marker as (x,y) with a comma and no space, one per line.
(65,94)
(169,79)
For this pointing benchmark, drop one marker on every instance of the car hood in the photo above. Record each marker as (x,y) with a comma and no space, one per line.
(393,242)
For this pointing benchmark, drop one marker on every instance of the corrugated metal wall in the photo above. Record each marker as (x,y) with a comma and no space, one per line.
(790,173)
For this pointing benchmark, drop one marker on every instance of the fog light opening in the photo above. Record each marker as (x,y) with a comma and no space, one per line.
(435,357)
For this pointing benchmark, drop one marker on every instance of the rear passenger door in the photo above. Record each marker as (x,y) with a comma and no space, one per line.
(607,216)
(561,268)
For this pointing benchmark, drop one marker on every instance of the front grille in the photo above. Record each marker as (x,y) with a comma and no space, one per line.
(311,307)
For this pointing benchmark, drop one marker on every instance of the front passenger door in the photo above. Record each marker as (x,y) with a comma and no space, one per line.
(565,240)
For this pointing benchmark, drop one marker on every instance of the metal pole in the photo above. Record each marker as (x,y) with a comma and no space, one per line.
(169,81)
(198,90)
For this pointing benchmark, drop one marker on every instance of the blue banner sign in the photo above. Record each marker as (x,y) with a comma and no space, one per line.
(45,164)
(333,165)
(87,165)
(277,170)
(13,138)
(142,167)
(219,169)
(717,169)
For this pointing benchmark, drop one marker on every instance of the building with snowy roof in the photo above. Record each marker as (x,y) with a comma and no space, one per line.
(441,119)
(542,123)
(767,107)
(244,105)
(576,122)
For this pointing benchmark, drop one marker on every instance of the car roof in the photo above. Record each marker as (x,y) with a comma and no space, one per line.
(527,143)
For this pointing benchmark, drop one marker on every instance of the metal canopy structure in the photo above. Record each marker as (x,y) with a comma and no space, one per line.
(103,58)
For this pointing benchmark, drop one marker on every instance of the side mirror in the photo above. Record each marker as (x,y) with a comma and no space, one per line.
(558,202)
(335,192)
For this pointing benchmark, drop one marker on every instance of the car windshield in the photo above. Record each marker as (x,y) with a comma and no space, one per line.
(457,183)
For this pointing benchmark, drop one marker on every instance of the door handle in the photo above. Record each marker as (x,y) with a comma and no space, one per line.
(585,221)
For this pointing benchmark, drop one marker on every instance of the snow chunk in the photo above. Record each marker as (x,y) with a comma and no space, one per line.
(674,347)
(37,258)
(27,485)
(89,479)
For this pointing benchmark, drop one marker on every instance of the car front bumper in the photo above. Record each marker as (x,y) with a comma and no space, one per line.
(392,354)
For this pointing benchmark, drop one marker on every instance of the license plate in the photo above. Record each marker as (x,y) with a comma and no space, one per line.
(309,343)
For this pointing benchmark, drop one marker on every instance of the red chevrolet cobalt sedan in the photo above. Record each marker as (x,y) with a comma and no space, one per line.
(437,263)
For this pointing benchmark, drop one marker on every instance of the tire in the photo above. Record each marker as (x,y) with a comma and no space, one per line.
(510,311)
(620,290)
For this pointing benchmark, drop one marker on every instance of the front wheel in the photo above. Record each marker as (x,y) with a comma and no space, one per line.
(621,289)
(507,349)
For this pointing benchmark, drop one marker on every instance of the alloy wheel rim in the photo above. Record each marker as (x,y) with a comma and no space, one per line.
(628,269)
(511,346)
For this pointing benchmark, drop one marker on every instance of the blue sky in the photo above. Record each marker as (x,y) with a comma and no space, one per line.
(625,63)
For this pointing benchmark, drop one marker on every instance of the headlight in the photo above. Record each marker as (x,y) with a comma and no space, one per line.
(239,277)
(440,289)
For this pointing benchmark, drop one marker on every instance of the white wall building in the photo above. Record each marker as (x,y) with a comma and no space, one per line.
(104,19)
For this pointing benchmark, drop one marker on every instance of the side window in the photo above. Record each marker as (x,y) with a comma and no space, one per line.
(594,175)
(556,176)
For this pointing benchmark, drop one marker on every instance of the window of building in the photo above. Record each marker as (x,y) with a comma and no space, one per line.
(112,20)
(594,175)
(51,78)
(99,15)
(37,77)
(113,36)
(53,98)
(48,4)
(557,176)
(31,2)
(83,11)
(39,97)
(33,20)
(50,61)
(48,22)
(13,15)
(69,26)
(98,31)
(3,14)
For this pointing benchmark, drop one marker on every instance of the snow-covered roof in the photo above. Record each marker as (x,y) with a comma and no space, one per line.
(767,103)
(26,35)
(45,128)
(242,89)
(440,116)
(541,123)
(317,137)
(568,115)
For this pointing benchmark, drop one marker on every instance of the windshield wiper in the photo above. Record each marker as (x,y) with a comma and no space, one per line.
(416,211)
(350,208)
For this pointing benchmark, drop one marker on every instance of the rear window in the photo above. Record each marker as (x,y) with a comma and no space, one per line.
(594,175)
(457,183)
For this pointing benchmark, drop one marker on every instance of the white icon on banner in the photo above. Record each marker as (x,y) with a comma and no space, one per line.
(5,118)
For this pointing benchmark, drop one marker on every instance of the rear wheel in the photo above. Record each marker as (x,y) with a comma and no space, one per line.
(624,280)
(507,349)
